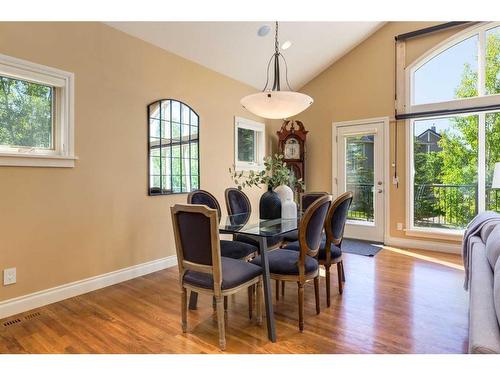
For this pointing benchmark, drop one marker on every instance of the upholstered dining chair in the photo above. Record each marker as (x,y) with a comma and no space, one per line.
(305,201)
(301,266)
(202,268)
(331,247)
(237,202)
(229,249)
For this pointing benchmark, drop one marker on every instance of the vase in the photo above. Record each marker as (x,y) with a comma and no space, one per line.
(270,205)
(284,192)
(288,206)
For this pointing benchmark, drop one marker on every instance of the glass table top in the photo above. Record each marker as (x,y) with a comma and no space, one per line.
(243,224)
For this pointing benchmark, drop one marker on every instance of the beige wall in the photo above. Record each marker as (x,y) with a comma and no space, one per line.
(63,225)
(359,86)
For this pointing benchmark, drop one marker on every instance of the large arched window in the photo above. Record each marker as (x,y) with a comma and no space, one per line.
(455,141)
(173,148)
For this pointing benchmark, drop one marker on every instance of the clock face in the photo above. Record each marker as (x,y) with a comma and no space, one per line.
(292,149)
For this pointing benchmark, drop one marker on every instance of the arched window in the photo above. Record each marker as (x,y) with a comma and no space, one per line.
(173,148)
(454,138)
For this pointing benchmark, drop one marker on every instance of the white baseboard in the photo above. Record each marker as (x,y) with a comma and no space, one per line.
(45,297)
(410,243)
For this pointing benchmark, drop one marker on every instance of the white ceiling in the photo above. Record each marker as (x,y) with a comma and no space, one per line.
(235,50)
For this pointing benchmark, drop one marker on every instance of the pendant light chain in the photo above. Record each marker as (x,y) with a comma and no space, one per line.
(276,43)
(277,54)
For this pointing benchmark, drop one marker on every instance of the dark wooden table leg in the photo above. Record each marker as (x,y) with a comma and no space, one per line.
(193,301)
(268,297)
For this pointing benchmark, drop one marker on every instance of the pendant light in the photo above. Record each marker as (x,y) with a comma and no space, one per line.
(274,103)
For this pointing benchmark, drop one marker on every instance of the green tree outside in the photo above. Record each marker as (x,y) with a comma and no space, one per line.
(457,163)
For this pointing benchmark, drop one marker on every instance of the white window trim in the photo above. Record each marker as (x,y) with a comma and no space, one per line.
(63,154)
(260,129)
(446,234)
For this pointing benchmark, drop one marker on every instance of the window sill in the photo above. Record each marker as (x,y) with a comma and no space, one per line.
(249,167)
(450,235)
(30,160)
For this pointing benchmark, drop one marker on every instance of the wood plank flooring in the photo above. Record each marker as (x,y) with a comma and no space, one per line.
(399,301)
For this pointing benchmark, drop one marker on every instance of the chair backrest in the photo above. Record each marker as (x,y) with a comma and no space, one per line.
(308,198)
(237,202)
(311,227)
(204,197)
(336,219)
(197,240)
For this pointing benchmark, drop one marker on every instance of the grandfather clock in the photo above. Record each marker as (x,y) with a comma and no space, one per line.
(292,144)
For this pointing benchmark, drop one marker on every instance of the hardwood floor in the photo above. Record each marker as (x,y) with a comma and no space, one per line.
(400,301)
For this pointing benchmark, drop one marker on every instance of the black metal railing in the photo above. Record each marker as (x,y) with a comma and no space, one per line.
(362,202)
(448,205)
(435,205)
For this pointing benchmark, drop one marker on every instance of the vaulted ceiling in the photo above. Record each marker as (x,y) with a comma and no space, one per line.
(235,49)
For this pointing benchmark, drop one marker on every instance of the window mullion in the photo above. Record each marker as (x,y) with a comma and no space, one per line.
(481,161)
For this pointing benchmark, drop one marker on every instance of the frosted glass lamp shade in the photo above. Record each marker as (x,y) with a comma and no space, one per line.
(276,104)
(496,177)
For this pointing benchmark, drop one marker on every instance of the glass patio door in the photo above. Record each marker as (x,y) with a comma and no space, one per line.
(360,170)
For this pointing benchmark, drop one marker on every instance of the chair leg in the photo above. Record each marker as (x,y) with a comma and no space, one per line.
(184,310)
(220,322)
(277,290)
(259,303)
(283,288)
(343,272)
(250,301)
(301,306)
(225,303)
(193,301)
(214,305)
(327,271)
(339,274)
(316,293)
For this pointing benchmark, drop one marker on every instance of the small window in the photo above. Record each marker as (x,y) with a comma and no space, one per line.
(173,148)
(36,119)
(249,144)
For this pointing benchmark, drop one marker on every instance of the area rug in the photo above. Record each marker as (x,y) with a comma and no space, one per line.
(359,247)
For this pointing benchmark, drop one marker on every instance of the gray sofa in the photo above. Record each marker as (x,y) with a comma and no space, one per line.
(484,291)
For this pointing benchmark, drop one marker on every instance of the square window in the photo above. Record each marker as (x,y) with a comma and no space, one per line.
(249,145)
(36,107)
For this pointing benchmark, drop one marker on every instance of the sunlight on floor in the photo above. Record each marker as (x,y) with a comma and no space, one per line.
(424,257)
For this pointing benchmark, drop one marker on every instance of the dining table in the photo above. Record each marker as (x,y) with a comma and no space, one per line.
(262,231)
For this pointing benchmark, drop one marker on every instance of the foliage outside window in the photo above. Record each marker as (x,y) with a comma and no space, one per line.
(26,114)
(249,145)
(36,119)
(173,148)
(454,156)
(359,176)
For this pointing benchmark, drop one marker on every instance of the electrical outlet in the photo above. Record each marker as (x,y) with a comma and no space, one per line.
(400,226)
(9,276)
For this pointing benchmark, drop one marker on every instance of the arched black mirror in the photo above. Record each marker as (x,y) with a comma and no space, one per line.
(173,158)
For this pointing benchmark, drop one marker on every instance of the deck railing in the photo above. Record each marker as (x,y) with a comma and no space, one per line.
(435,205)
